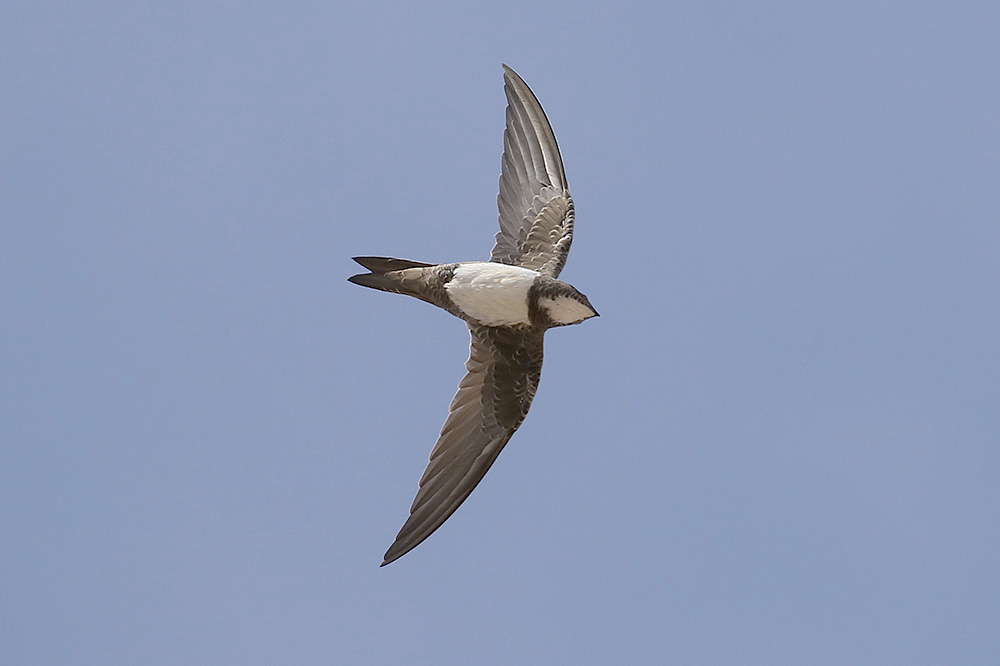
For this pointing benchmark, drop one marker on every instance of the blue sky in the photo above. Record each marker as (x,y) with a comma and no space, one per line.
(778,444)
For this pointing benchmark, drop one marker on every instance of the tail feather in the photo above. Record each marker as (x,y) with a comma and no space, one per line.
(381,265)
(378,279)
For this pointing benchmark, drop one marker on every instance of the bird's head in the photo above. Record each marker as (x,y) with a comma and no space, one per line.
(561,304)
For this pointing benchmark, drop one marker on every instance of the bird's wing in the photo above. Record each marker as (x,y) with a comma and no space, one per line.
(536,210)
(504,367)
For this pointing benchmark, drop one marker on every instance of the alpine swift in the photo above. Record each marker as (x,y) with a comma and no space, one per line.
(508,303)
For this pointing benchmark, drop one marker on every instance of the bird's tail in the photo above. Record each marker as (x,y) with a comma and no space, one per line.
(378,279)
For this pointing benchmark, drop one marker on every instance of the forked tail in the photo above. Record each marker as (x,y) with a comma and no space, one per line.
(379,266)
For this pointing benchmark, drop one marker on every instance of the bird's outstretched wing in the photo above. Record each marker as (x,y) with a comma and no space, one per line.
(536,210)
(504,367)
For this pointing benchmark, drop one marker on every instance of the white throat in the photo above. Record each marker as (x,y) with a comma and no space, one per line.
(565,310)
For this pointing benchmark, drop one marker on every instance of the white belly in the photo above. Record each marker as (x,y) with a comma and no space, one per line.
(491,293)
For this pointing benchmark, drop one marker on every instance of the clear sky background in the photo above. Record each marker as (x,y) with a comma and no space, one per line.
(780,443)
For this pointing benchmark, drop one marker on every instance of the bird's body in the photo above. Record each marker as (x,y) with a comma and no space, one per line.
(492,294)
(508,303)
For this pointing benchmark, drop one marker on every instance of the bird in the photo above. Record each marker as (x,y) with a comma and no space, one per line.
(507,302)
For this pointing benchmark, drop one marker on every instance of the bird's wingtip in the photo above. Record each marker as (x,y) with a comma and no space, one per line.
(390,557)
